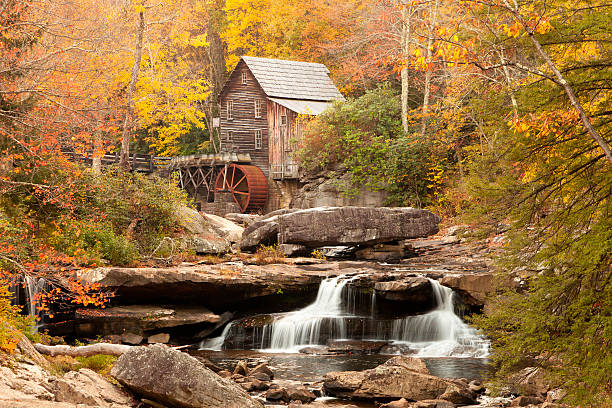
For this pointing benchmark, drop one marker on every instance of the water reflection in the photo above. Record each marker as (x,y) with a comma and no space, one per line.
(311,368)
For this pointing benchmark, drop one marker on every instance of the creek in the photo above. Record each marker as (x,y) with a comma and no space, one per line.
(341,318)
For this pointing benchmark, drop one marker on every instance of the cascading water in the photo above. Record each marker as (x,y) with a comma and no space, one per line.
(34,288)
(303,327)
(440,332)
(335,316)
(216,343)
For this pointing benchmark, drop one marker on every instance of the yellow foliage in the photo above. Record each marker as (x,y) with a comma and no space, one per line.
(10,321)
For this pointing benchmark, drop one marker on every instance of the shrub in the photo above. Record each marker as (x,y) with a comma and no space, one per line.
(364,137)
(269,255)
(116,249)
(12,324)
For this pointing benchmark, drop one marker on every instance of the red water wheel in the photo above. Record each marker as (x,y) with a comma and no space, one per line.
(248,186)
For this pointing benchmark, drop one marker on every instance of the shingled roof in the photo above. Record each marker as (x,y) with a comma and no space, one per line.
(293,79)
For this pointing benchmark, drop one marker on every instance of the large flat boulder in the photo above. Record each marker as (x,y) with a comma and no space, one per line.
(218,287)
(173,378)
(400,377)
(328,226)
(90,388)
(225,227)
(140,318)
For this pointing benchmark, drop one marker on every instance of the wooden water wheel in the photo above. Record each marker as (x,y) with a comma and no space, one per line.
(248,186)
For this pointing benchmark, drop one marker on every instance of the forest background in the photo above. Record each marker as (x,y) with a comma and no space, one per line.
(491,112)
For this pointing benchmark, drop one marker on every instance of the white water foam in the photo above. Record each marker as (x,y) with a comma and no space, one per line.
(216,343)
(439,333)
(302,328)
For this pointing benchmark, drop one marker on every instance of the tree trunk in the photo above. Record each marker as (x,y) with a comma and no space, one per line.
(572,97)
(96,158)
(405,46)
(509,82)
(83,351)
(569,91)
(427,90)
(127,125)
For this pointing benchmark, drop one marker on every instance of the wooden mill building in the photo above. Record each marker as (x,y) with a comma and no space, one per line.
(263,106)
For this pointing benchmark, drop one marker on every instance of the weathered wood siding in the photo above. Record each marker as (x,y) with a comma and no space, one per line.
(283,139)
(244,123)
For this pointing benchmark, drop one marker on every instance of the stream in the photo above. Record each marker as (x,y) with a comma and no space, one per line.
(448,345)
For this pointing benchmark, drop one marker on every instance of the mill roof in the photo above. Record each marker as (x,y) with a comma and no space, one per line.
(293,79)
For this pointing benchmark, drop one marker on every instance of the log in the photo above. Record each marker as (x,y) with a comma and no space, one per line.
(83,351)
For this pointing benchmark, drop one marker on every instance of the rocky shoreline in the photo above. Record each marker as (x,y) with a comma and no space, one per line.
(160,376)
(186,303)
(197,298)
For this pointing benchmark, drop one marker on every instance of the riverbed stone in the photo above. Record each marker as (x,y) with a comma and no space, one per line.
(173,378)
(328,226)
(224,374)
(252,384)
(241,368)
(353,346)
(459,394)
(277,394)
(387,381)
(433,404)
(401,403)
(409,363)
(301,394)
(90,388)
(260,376)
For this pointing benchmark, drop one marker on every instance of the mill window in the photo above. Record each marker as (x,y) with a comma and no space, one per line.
(258,139)
(230,110)
(283,120)
(244,78)
(230,137)
(258,108)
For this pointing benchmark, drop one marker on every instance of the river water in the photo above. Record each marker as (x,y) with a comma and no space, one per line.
(449,346)
(312,368)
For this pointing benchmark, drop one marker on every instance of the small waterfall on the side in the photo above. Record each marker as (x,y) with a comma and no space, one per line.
(440,332)
(216,343)
(342,313)
(27,292)
(34,287)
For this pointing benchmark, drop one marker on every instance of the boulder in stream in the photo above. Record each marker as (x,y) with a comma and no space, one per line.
(173,378)
(399,377)
(325,226)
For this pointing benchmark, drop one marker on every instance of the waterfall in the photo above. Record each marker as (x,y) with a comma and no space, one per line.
(34,287)
(339,314)
(303,327)
(216,343)
(440,332)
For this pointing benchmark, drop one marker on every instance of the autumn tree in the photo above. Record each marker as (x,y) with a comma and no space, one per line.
(544,69)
